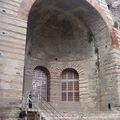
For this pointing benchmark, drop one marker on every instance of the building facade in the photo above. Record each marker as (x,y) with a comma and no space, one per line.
(63,51)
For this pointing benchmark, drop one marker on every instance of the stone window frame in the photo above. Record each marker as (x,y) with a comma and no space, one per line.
(44,76)
(65,79)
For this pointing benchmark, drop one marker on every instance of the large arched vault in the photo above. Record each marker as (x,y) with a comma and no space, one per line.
(58,35)
(70,33)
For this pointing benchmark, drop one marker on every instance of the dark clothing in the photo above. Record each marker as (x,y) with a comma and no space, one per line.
(30,102)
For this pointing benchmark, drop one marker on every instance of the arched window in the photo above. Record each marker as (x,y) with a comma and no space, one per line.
(40,83)
(70,85)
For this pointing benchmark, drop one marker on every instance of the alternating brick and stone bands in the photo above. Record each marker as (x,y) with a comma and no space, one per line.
(101,7)
(13,28)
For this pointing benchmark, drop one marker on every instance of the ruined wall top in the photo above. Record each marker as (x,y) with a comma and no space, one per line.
(114,6)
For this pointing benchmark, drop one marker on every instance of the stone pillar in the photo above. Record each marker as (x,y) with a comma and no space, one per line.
(12,49)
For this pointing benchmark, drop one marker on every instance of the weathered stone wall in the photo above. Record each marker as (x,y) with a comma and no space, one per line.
(114,8)
(86,82)
(41,49)
(95,116)
(13,24)
(12,49)
(62,56)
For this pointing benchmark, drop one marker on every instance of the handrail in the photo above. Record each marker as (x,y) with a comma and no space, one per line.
(53,108)
(35,106)
(44,107)
(48,111)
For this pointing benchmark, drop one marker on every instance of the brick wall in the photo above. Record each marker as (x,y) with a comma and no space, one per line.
(13,24)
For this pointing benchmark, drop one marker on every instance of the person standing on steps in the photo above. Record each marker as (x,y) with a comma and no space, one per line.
(30,100)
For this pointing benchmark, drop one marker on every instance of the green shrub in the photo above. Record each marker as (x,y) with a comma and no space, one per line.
(89,37)
(115,24)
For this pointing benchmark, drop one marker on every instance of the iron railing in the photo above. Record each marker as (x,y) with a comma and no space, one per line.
(44,108)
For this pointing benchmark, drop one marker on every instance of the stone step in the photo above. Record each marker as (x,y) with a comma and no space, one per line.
(32,115)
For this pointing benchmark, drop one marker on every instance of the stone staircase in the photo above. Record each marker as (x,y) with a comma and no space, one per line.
(32,115)
(41,110)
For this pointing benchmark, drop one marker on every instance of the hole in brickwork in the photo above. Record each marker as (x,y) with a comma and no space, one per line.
(4,11)
(17,73)
(3,33)
(109,6)
(56,59)
(109,106)
(29,53)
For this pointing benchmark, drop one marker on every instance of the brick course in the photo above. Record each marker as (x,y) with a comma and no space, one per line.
(13,28)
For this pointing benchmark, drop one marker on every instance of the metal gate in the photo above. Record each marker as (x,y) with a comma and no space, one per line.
(39,85)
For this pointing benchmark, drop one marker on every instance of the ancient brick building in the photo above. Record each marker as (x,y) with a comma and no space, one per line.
(65,54)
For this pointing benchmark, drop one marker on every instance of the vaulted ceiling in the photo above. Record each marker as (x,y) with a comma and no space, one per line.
(58,28)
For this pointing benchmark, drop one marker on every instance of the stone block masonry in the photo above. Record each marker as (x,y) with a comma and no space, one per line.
(13,30)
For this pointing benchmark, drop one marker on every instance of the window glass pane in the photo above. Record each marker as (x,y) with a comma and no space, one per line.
(63,86)
(75,76)
(70,86)
(64,96)
(64,76)
(39,84)
(70,96)
(70,75)
(76,96)
(76,85)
